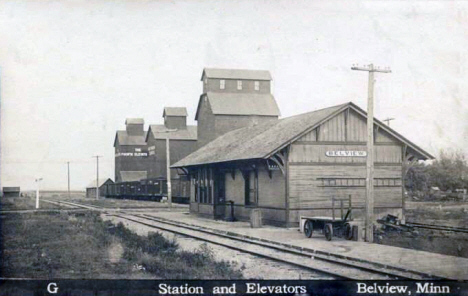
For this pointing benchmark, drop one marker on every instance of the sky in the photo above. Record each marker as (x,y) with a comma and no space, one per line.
(71,72)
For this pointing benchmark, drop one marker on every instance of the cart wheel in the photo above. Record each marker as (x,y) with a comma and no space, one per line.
(308,228)
(348,232)
(328,232)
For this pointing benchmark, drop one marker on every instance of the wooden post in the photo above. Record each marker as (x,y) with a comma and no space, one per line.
(68,171)
(333,208)
(97,175)
(369,223)
(341,209)
(168,173)
(350,208)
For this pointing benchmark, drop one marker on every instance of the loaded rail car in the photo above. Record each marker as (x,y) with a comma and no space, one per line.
(150,190)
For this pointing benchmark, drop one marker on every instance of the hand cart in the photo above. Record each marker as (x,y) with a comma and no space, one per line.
(329,225)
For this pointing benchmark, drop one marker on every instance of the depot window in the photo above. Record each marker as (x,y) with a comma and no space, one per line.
(222,84)
(203,186)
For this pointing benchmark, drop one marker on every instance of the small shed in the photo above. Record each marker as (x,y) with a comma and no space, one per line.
(11,192)
(91,188)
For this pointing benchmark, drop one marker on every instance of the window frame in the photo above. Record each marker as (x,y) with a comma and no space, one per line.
(257,85)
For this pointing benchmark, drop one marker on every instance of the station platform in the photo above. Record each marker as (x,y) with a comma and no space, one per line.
(432,264)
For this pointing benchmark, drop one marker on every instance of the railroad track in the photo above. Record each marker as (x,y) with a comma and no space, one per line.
(437,227)
(333,265)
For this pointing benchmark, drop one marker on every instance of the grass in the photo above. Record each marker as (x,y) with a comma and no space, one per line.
(23,203)
(164,258)
(458,216)
(71,245)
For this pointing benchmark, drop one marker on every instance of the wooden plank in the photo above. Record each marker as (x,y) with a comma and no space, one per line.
(305,184)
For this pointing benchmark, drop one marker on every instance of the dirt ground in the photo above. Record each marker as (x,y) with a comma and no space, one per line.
(436,213)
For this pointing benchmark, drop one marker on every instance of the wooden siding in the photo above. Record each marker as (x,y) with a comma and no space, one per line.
(348,126)
(333,129)
(306,190)
(270,191)
(230,85)
(309,137)
(206,129)
(235,187)
(357,127)
(307,153)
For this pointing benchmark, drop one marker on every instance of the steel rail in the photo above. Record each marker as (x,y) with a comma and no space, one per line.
(437,227)
(366,267)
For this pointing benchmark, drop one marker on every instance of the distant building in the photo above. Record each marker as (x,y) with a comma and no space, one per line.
(232,99)
(182,140)
(91,188)
(11,191)
(131,154)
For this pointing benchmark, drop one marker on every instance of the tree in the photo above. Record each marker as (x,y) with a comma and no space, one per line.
(449,172)
(417,178)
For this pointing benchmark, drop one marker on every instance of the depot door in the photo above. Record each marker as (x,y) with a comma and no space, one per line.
(220,195)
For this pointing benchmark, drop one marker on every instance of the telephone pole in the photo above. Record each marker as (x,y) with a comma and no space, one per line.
(387,120)
(168,168)
(369,223)
(68,170)
(97,176)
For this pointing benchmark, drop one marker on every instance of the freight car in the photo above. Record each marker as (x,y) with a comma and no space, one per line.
(150,190)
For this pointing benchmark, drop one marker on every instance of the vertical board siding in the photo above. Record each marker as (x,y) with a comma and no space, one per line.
(310,136)
(384,137)
(333,129)
(357,127)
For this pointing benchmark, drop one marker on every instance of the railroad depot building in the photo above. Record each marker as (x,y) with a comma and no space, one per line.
(293,166)
(131,154)
(182,141)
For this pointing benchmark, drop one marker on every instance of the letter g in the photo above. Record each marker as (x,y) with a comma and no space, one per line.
(52,288)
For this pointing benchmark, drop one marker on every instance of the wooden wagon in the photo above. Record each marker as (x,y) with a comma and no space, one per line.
(330,226)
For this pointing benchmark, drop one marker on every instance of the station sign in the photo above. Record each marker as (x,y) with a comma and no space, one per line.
(346,153)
